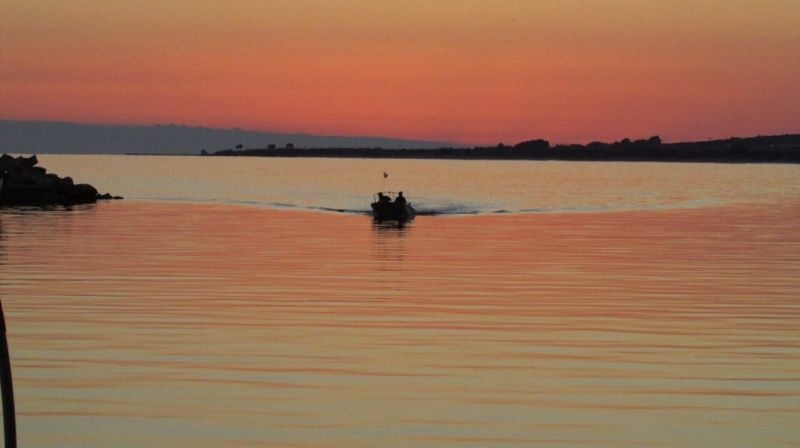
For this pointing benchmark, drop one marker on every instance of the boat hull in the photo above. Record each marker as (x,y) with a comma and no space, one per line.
(392,211)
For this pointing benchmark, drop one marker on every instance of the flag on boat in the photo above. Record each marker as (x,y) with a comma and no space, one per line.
(385,175)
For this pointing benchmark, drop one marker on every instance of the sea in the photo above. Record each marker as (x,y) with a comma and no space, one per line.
(254,302)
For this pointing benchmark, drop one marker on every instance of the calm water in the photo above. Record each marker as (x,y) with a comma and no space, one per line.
(662,310)
(443,186)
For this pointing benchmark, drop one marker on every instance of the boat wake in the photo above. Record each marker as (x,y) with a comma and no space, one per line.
(442,208)
(452,210)
(420,210)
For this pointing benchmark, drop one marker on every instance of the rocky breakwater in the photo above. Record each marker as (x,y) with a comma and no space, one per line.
(26,184)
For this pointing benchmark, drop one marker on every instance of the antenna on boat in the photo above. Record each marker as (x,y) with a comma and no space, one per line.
(385,175)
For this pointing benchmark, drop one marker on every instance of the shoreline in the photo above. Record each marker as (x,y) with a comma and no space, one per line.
(761,149)
(499,159)
(467,159)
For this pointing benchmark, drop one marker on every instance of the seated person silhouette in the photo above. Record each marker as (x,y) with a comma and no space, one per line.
(382,198)
(400,199)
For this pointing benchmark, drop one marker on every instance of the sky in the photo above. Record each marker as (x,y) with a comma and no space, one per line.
(464,71)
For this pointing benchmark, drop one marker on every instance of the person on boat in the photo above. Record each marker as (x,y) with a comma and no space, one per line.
(383,198)
(400,199)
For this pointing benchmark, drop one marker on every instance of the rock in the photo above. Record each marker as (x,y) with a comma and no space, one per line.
(5,162)
(25,184)
(107,196)
(83,194)
(49,180)
(30,161)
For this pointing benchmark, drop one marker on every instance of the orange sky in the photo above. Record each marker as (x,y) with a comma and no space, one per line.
(470,71)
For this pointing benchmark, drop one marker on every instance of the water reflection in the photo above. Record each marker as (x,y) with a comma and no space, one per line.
(390,226)
(210,326)
(388,241)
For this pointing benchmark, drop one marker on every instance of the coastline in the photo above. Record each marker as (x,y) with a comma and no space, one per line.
(761,149)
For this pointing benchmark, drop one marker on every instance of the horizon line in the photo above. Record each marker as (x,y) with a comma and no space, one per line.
(235,128)
(454,144)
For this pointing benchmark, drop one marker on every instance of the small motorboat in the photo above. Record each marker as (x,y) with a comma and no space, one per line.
(391,206)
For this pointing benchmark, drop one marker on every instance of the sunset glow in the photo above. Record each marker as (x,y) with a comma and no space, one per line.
(466,71)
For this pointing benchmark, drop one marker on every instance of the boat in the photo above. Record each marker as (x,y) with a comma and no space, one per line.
(386,207)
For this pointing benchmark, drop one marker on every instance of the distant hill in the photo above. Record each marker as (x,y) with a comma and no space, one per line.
(73,138)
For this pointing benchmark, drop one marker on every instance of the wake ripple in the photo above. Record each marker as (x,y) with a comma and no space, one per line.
(451,209)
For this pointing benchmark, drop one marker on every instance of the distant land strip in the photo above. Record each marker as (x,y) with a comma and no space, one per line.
(760,149)
(54,137)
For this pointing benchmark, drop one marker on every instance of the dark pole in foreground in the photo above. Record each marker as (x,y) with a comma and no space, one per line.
(9,418)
